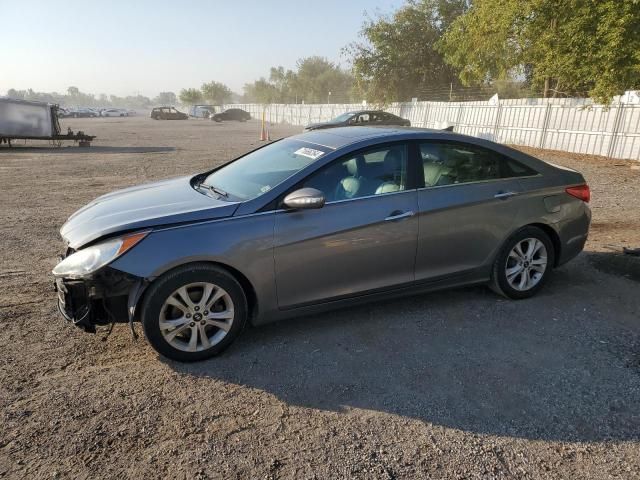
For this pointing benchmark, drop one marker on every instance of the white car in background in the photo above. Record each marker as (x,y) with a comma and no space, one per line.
(114,112)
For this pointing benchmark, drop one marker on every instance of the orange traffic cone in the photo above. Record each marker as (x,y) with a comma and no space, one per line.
(268,133)
(263,132)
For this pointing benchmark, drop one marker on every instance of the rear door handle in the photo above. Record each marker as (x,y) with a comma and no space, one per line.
(505,195)
(397,215)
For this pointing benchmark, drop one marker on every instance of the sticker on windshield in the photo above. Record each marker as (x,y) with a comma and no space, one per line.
(309,152)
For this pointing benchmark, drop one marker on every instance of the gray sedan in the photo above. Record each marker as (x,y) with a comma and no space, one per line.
(317,221)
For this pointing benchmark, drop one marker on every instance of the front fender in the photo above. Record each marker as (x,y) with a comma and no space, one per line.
(243,243)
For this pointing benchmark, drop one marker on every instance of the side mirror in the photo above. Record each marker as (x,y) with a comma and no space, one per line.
(305,198)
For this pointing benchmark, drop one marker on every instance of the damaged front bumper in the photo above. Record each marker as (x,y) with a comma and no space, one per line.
(108,296)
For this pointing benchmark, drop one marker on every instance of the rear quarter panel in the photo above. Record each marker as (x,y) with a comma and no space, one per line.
(545,201)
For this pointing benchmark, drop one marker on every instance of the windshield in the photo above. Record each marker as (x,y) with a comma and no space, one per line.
(259,171)
(343,118)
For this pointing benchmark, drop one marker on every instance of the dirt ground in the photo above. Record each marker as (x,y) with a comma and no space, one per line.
(458,384)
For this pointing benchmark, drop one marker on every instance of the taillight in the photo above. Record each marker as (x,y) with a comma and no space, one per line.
(581,192)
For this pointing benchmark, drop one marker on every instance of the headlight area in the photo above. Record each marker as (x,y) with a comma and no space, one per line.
(90,292)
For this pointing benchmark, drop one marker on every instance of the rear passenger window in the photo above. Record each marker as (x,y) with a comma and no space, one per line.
(455,163)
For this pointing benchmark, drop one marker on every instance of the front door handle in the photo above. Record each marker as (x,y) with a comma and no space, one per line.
(397,215)
(505,195)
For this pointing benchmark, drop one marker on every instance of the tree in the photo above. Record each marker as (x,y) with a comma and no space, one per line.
(584,47)
(190,96)
(316,80)
(165,98)
(260,91)
(398,58)
(137,101)
(285,84)
(216,92)
(320,81)
(18,94)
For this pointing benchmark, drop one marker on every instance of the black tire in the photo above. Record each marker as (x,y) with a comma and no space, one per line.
(499,282)
(166,285)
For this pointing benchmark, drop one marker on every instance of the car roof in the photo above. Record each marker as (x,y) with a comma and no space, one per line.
(355,112)
(339,137)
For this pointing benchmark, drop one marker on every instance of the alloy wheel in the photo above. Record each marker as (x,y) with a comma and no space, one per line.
(526,264)
(196,316)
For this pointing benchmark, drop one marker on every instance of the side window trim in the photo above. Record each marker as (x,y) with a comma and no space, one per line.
(367,197)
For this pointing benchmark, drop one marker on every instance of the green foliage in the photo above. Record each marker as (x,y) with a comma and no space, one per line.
(190,96)
(215,92)
(316,77)
(485,43)
(261,91)
(398,58)
(165,98)
(576,47)
(312,81)
(283,86)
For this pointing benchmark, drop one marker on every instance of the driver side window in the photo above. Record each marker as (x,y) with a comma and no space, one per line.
(373,172)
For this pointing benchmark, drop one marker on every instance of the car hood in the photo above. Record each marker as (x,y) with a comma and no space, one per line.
(161,203)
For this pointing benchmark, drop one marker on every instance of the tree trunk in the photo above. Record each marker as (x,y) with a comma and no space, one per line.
(546,87)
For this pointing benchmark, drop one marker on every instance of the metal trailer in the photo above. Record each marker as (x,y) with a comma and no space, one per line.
(26,120)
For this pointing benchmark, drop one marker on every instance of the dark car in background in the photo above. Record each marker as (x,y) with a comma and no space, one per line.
(236,114)
(316,221)
(362,118)
(167,113)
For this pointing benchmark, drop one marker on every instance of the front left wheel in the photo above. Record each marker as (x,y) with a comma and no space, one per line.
(194,312)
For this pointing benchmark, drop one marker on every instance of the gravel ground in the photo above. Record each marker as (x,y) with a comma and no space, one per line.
(458,384)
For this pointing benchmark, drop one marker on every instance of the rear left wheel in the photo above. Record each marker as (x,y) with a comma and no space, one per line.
(524,264)
(194,312)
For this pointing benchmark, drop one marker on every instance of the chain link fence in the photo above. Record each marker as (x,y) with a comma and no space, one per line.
(567,124)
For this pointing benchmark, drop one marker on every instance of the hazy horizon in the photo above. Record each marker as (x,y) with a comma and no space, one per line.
(127,48)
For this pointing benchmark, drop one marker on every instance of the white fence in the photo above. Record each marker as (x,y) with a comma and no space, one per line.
(571,125)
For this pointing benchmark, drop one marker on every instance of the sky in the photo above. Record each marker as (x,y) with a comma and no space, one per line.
(142,46)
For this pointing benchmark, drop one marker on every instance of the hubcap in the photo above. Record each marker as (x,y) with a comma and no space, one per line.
(526,264)
(196,317)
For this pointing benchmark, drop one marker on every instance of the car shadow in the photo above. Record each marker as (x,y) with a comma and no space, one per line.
(541,368)
(84,150)
(617,263)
